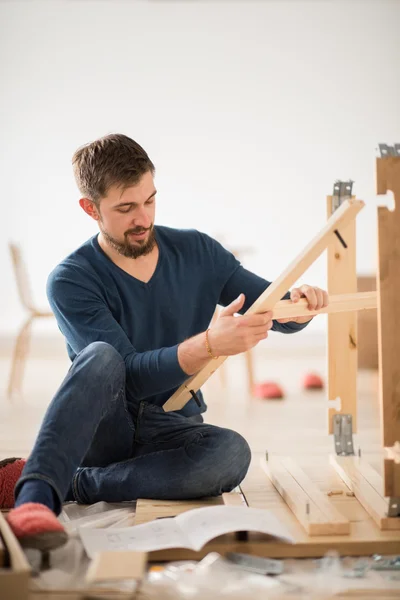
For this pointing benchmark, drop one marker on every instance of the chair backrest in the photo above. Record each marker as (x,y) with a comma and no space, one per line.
(21,276)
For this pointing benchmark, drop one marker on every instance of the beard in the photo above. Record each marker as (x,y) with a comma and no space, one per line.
(138,248)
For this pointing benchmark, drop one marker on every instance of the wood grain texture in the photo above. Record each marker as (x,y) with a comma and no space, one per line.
(356,477)
(388,179)
(342,328)
(310,506)
(344,215)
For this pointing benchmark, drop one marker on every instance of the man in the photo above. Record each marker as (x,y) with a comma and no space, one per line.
(134,304)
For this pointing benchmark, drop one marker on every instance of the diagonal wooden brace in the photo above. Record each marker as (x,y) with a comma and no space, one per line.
(273,294)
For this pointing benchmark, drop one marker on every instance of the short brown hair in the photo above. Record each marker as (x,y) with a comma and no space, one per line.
(111,160)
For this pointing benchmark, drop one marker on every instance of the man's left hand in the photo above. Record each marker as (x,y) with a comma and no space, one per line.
(316,298)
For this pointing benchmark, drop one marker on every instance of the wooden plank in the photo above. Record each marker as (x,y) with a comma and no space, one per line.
(113,566)
(339,303)
(324,504)
(345,214)
(342,328)
(233,499)
(348,467)
(148,510)
(388,178)
(307,502)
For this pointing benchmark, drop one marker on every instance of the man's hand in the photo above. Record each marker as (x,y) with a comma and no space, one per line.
(316,298)
(235,334)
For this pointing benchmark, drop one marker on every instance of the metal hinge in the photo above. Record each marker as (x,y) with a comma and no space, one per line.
(342,191)
(394,507)
(387,150)
(343,435)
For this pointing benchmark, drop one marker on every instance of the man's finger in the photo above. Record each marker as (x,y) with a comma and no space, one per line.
(311,296)
(295,294)
(326,298)
(320,298)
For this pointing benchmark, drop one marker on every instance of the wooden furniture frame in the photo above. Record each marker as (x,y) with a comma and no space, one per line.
(312,509)
(273,294)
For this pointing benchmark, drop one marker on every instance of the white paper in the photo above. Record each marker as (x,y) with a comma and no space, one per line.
(192,529)
(205,524)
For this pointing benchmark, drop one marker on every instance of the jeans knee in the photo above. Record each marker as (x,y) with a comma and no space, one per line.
(230,460)
(102,360)
(238,455)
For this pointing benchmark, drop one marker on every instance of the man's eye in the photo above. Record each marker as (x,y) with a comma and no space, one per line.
(124,210)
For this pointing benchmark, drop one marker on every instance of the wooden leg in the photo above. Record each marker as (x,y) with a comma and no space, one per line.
(19,358)
(250,370)
(388,284)
(342,328)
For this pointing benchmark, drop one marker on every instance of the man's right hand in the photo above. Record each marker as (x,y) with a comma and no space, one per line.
(235,334)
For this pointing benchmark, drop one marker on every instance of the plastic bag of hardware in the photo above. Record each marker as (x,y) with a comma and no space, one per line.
(69,564)
(213,577)
(101,514)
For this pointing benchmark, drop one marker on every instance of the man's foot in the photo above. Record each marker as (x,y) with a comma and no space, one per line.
(10,472)
(36,526)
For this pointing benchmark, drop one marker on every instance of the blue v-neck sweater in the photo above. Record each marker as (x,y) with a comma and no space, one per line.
(95,300)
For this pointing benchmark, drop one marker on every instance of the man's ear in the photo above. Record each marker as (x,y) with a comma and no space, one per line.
(90,208)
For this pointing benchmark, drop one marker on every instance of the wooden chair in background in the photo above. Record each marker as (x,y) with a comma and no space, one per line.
(22,342)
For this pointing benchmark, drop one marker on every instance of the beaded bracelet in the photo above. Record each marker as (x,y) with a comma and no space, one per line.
(208,346)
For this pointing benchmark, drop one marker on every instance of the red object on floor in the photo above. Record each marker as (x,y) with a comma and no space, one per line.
(312,381)
(36,526)
(10,472)
(268,390)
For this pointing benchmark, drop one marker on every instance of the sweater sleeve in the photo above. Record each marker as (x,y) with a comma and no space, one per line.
(239,281)
(83,317)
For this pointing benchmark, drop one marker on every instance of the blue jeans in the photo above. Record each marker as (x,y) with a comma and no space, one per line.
(95,444)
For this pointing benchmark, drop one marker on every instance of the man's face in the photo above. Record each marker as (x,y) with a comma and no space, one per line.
(126,218)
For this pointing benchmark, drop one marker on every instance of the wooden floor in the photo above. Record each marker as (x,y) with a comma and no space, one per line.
(296,425)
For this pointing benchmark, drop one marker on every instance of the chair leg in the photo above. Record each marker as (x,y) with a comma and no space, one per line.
(19,358)
(250,370)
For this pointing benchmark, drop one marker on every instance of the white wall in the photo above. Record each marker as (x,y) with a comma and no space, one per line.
(250,111)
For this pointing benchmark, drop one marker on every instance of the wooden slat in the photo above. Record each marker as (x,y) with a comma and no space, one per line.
(300,493)
(233,499)
(345,214)
(148,510)
(339,303)
(342,328)
(388,178)
(114,566)
(356,479)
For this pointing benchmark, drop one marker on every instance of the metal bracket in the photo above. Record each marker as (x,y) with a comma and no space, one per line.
(343,435)
(385,564)
(387,150)
(342,191)
(394,507)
